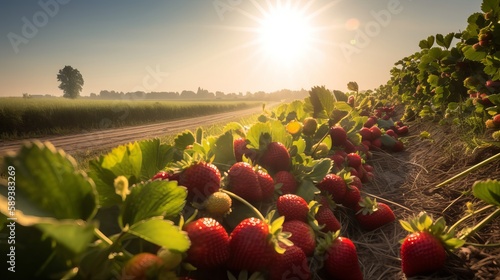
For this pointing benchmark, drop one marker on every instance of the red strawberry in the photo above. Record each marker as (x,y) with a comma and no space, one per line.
(341,258)
(365,133)
(209,243)
(352,197)
(339,136)
(289,184)
(275,158)
(334,185)
(376,132)
(326,218)
(243,181)
(292,264)
(376,143)
(349,147)
(403,130)
(142,266)
(338,160)
(201,180)
(240,148)
(496,120)
(302,235)
(163,175)
(372,214)
(354,160)
(391,133)
(423,251)
(266,183)
(293,207)
(370,122)
(398,147)
(250,246)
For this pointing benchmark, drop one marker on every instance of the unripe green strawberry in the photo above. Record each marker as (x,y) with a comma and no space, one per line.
(209,243)
(310,126)
(218,204)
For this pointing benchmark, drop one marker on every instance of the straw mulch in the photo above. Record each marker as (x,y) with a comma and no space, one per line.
(406,181)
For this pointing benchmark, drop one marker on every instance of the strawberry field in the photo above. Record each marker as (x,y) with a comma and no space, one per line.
(400,182)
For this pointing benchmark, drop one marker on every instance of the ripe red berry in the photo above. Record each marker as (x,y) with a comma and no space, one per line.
(293,207)
(289,184)
(421,253)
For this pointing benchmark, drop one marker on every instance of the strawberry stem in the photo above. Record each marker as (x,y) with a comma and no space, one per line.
(467,171)
(484,222)
(240,199)
(468,216)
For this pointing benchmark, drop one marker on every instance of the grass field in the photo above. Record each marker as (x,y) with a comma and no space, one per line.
(20,118)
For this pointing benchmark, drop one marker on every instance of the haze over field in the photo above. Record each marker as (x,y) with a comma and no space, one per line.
(221,45)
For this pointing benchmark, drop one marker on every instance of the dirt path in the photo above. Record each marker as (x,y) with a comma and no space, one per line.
(113,137)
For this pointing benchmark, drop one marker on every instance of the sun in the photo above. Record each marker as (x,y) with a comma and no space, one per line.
(285,33)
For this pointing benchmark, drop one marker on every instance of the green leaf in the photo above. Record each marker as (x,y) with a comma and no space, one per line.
(307,190)
(125,160)
(255,131)
(488,191)
(151,199)
(433,80)
(162,233)
(427,44)
(472,54)
(223,149)
(49,180)
(154,157)
(490,5)
(406,226)
(184,139)
(71,234)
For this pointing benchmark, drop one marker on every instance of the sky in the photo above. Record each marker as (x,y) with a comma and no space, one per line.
(218,45)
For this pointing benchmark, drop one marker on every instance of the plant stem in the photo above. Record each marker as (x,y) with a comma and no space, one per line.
(482,223)
(240,199)
(102,236)
(467,171)
(468,216)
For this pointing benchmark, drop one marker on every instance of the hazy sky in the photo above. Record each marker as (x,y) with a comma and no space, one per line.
(222,45)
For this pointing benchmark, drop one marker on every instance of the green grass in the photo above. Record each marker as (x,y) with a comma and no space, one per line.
(23,118)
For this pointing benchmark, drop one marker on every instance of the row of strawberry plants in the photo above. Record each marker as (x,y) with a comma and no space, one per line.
(456,84)
(260,199)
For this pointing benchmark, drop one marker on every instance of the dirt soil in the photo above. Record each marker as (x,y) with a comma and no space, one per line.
(406,181)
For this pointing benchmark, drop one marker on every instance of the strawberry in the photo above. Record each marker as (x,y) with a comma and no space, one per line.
(275,158)
(403,130)
(310,126)
(354,160)
(201,180)
(243,181)
(376,143)
(372,214)
(292,264)
(376,132)
(496,120)
(423,251)
(293,207)
(352,197)
(142,266)
(341,258)
(391,133)
(209,243)
(370,122)
(302,235)
(339,136)
(335,185)
(338,161)
(365,133)
(218,204)
(163,175)
(266,183)
(326,218)
(289,184)
(349,147)
(398,147)
(240,148)
(250,246)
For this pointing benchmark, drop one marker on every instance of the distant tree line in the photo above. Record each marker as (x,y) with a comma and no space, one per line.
(202,94)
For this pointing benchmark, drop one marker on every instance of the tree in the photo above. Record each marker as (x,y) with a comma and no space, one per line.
(71,81)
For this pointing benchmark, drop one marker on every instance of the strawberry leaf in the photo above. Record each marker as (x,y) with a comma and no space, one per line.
(47,181)
(151,199)
(155,157)
(162,233)
(488,191)
(184,139)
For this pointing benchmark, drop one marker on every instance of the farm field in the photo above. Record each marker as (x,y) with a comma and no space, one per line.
(36,117)
(401,182)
